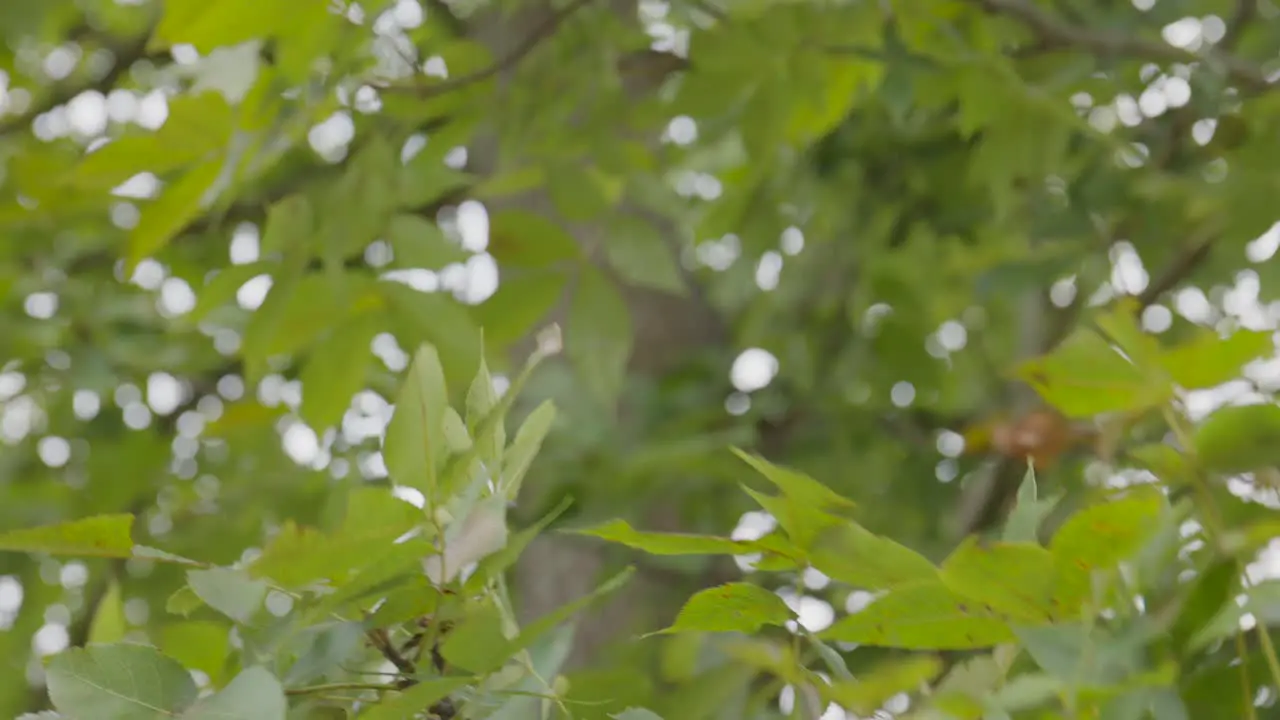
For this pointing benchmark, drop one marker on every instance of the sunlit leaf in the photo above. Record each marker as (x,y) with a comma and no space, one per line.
(922,616)
(1085,376)
(109,625)
(99,536)
(1209,360)
(734,607)
(851,554)
(1015,579)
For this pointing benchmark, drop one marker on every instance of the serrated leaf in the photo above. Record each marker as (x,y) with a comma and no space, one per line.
(414,448)
(599,336)
(118,682)
(231,592)
(732,607)
(254,694)
(922,616)
(851,554)
(797,485)
(336,369)
(98,536)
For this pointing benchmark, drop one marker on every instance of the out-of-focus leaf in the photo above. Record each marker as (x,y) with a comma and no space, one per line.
(99,536)
(231,592)
(1209,360)
(254,694)
(1239,438)
(518,238)
(870,691)
(633,713)
(1085,376)
(198,645)
(108,625)
(519,303)
(1209,593)
(923,616)
(733,607)
(599,336)
(642,256)
(438,320)
(118,682)
(413,700)
(336,370)
(177,205)
(414,448)
(525,446)
(477,644)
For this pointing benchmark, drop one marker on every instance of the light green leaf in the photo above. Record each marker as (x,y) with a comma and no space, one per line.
(795,485)
(118,682)
(922,616)
(183,601)
(221,289)
(482,398)
(1209,360)
(870,691)
(1085,376)
(477,644)
(98,536)
(633,713)
(254,694)
(524,448)
(1016,579)
(642,255)
(599,336)
(414,447)
(577,191)
(619,531)
(849,553)
(231,592)
(1239,438)
(177,205)
(733,607)
(499,561)
(298,556)
(108,625)
(1101,536)
(289,224)
(415,699)
(1024,521)
(209,26)
(198,645)
(336,370)
(519,238)
(438,320)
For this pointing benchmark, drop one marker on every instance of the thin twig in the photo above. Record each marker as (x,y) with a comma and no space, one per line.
(542,32)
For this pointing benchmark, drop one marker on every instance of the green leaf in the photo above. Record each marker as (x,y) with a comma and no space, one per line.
(198,645)
(498,562)
(231,592)
(1239,438)
(524,448)
(1208,360)
(118,682)
(209,26)
(1085,376)
(1210,592)
(482,398)
(108,625)
(642,255)
(254,694)
(183,601)
(437,320)
(733,607)
(619,531)
(872,689)
(1101,536)
(299,556)
(98,536)
(336,370)
(923,616)
(177,205)
(577,192)
(1015,579)
(289,224)
(599,336)
(415,699)
(519,303)
(414,448)
(1030,511)
(221,288)
(545,624)
(519,238)
(851,554)
(795,485)
(477,644)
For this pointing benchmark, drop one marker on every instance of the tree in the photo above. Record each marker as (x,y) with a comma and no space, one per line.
(298,291)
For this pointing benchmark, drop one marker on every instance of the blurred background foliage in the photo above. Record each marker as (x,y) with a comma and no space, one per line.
(822,230)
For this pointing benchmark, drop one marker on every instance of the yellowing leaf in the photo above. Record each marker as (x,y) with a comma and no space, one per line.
(99,536)
(733,607)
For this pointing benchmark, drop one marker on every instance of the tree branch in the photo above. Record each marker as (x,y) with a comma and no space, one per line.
(1054,32)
